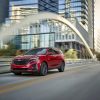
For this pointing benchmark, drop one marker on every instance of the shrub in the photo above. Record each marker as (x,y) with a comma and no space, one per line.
(71,54)
(98,56)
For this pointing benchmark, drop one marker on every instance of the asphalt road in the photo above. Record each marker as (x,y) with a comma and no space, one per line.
(78,83)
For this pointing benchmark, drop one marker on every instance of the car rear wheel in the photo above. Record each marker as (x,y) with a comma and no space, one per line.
(62,67)
(17,73)
(44,69)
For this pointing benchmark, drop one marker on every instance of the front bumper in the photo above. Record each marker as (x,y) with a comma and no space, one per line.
(24,68)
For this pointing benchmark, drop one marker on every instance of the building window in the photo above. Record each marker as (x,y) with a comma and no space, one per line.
(69,36)
(72,36)
(66,36)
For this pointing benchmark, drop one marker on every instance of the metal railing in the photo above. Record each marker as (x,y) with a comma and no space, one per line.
(6,61)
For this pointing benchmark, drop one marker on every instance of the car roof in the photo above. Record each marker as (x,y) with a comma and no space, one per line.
(46,48)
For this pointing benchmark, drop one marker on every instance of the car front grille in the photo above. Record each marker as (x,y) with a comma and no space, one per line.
(20,61)
(20,69)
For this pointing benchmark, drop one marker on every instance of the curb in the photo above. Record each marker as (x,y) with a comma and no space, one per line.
(4,72)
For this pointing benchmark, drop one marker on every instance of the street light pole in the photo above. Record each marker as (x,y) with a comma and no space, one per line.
(93,26)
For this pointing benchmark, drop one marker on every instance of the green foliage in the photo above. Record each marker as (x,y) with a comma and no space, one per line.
(71,54)
(20,52)
(9,51)
(98,56)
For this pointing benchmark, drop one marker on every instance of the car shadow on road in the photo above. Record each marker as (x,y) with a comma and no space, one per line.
(52,72)
(34,74)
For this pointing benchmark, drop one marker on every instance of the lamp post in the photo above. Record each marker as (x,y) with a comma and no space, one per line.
(93,26)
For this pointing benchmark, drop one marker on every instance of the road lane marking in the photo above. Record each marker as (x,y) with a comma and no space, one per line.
(27,83)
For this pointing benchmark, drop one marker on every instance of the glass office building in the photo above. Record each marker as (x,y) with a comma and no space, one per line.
(30,36)
(83,12)
(75,8)
(48,5)
(4,6)
(18,9)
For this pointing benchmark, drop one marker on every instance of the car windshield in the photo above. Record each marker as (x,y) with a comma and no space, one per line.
(38,51)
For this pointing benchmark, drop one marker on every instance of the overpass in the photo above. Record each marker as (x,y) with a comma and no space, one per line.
(42,16)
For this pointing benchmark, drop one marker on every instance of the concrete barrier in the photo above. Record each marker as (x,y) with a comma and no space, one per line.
(5,64)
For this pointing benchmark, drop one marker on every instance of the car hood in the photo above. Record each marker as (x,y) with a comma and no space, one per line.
(26,57)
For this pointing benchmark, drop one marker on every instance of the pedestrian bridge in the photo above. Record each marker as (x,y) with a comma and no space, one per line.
(42,16)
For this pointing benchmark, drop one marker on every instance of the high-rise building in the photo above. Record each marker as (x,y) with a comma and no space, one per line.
(83,11)
(48,5)
(52,32)
(21,8)
(4,10)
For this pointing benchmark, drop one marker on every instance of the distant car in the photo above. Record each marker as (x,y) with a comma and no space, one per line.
(38,60)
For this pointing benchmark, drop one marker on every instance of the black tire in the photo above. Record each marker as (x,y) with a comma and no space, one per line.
(62,67)
(17,73)
(44,69)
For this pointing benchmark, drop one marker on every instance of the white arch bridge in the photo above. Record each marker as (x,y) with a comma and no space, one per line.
(42,16)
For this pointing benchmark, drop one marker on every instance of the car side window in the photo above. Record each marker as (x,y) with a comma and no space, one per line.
(52,51)
(56,52)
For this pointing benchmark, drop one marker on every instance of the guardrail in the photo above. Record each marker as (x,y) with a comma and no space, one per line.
(5,62)
(69,61)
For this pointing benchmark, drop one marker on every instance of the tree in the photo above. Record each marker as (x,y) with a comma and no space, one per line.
(9,51)
(98,56)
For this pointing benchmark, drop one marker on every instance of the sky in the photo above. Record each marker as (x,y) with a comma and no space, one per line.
(97,16)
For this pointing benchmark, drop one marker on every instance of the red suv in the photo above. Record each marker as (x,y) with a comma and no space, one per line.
(38,60)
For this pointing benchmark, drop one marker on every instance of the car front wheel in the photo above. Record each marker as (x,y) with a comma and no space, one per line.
(44,69)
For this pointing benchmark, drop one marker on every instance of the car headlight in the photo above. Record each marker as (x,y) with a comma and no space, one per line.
(34,59)
(12,62)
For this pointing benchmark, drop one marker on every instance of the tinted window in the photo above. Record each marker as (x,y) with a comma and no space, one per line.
(54,51)
(51,50)
(38,51)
